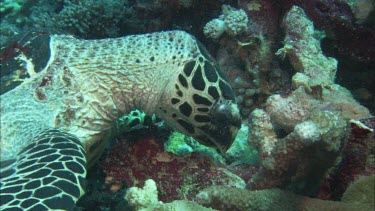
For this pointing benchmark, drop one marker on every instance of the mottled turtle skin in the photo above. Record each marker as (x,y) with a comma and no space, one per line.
(60,97)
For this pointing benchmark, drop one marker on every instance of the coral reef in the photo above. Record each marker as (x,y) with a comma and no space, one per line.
(358,196)
(357,159)
(92,18)
(227,198)
(300,135)
(301,159)
(262,135)
(231,21)
(182,205)
(239,153)
(145,198)
(13,15)
(100,19)
(304,52)
(131,162)
(177,145)
(349,29)
(248,59)
(287,112)
(86,19)
(182,145)
(309,132)
(361,192)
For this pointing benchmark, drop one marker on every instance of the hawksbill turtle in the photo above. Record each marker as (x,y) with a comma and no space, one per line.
(61,95)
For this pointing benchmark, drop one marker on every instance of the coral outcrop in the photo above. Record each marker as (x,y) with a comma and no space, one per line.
(146,199)
(182,205)
(348,23)
(301,135)
(247,59)
(358,197)
(231,21)
(262,135)
(92,18)
(304,51)
(303,156)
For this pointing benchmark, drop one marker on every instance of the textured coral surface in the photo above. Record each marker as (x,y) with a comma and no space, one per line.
(176,177)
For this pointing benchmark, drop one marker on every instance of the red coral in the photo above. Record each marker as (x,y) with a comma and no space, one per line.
(132,163)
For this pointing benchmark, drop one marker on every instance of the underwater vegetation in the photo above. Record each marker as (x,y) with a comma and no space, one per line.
(302,74)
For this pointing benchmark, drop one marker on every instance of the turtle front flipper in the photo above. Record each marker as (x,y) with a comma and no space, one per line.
(48,174)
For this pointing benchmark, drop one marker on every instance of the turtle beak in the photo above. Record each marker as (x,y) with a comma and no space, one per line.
(225,123)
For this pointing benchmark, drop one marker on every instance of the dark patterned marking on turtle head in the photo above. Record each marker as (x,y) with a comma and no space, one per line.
(202,104)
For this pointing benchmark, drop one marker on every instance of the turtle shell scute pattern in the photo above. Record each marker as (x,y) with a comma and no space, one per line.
(49,174)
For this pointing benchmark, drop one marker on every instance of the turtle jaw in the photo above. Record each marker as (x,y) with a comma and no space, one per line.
(221,131)
(217,130)
(221,140)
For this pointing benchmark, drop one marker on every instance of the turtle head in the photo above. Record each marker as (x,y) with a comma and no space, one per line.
(200,103)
